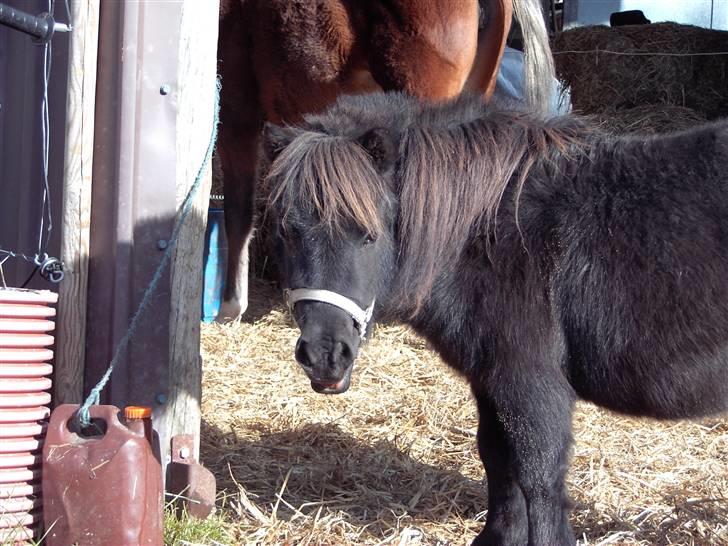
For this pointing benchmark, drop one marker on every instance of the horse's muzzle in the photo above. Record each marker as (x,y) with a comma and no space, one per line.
(327,363)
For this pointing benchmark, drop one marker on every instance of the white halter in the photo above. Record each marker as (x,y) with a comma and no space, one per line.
(360,316)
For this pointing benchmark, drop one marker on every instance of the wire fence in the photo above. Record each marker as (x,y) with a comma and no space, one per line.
(50,267)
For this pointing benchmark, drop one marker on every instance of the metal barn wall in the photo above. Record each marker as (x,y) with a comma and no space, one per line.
(21,68)
(704,13)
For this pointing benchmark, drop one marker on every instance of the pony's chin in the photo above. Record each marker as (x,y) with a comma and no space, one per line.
(339,387)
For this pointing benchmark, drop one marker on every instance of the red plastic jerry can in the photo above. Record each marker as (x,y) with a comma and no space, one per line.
(102,486)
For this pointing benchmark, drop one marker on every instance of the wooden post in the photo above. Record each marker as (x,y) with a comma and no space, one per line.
(195,99)
(80,104)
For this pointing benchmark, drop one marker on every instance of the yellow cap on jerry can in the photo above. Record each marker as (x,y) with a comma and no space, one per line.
(137,412)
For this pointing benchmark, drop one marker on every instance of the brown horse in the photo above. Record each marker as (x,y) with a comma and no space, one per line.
(281,59)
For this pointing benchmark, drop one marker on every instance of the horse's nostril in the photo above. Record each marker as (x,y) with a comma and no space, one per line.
(342,351)
(305,355)
(346,352)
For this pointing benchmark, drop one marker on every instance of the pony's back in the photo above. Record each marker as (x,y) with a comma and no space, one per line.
(640,277)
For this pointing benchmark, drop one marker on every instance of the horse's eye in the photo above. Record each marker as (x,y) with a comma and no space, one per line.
(368,240)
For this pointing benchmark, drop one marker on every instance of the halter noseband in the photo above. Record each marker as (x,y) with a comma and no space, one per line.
(360,316)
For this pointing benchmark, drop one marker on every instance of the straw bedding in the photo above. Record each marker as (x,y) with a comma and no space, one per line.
(394,460)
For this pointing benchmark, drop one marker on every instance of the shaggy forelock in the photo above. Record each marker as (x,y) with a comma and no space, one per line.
(331,177)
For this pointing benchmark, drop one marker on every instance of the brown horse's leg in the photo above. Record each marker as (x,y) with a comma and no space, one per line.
(491,45)
(240,126)
(238,156)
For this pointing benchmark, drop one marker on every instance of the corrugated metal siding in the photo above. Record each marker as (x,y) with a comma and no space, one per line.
(21,68)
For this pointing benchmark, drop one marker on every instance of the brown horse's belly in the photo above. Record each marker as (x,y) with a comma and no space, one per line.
(289,102)
(360,81)
(283,105)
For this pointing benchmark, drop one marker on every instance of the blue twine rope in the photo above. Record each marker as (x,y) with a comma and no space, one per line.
(95,394)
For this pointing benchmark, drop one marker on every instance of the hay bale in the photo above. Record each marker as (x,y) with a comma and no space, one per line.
(602,81)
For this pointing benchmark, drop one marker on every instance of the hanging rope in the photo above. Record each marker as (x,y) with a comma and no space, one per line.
(640,53)
(95,394)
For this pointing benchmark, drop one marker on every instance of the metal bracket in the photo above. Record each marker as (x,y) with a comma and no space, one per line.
(189,484)
(51,269)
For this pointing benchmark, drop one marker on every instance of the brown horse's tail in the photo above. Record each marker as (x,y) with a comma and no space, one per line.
(539,72)
(539,68)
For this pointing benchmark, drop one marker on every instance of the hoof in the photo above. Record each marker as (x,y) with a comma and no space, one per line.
(230,311)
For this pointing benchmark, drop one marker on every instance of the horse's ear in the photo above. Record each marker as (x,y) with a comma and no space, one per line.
(381,146)
(275,138)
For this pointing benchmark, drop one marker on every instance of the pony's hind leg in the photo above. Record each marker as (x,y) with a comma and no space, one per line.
(507,522)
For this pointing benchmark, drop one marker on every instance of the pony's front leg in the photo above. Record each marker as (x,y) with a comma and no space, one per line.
(507,522)
(533,416)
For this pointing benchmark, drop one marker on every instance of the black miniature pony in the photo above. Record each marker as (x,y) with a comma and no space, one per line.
(544,261)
